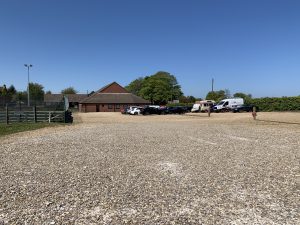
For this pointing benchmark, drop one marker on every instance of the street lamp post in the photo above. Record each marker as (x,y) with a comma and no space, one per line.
(28,98)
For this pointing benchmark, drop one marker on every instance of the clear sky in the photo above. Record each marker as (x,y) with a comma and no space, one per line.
(252,46)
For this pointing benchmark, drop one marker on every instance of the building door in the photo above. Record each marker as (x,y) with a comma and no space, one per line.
(97,108)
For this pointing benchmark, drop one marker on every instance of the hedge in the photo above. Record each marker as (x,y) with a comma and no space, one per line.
(180,104)
(276,104)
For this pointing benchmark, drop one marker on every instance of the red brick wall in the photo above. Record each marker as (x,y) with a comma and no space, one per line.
(90,107)
(104,107)
(112,108)
(114,88)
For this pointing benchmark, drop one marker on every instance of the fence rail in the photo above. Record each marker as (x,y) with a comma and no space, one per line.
(34,115)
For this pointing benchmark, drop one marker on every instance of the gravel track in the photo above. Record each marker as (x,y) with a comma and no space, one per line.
(116,169)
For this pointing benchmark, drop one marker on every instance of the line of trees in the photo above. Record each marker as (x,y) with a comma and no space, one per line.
(223,94)
(10,94)
(264,104)
(36,93)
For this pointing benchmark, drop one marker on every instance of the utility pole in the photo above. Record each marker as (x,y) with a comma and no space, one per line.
(28,98)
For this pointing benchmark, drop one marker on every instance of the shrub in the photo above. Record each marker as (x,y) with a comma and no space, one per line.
(276,104)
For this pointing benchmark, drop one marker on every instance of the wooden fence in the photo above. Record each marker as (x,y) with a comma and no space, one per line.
(10,116)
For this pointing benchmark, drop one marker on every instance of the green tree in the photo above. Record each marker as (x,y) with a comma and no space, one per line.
(160,88)
(11,91)
(216,95)
(187,99)
(69,90)
(247,97)
(36,92)
(48,92)
(135,86)
(20,96)
(4,91)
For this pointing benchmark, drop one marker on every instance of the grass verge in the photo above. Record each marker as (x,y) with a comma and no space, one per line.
(20,127)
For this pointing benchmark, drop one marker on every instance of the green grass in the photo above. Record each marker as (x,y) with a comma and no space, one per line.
(20,127)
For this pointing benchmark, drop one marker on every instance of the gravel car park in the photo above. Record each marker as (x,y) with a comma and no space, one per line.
(177,169)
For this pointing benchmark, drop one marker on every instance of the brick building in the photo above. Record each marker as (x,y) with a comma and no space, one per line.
(111,98)
(74,99)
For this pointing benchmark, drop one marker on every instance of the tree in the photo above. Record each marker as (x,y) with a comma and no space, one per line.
(187,99)
(36,92)
(247,97)
(158,88)
(48,92)
(216,95)
(4,91)
(11,91)
(20,96)
(69,90)
(135,86)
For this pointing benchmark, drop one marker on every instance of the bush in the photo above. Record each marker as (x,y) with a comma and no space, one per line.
(181,104)
(276,104)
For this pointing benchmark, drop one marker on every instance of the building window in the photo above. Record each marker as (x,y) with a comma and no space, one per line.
(110,106)
(117,106)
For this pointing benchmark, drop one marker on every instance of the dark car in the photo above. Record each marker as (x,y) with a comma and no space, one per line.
(124,110)
(150,110)
(176,110)
(244,108)
(188,108)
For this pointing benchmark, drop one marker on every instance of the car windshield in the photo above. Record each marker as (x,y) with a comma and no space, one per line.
(221,103)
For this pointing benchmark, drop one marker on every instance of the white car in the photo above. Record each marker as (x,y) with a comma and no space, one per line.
(130,108)
(154,106)
(135,111)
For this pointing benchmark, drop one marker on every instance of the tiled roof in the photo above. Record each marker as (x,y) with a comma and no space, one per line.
(115,98)
(59,97)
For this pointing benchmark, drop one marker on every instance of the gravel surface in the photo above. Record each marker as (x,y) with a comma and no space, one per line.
(118,169)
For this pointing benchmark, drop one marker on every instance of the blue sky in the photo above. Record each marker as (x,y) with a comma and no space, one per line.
(246,46)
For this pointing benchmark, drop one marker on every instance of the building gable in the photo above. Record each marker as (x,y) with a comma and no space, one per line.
(113,88)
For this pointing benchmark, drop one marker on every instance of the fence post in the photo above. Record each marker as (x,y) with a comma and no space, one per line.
(254,114)
(34,114)
(49,117)
(6,115)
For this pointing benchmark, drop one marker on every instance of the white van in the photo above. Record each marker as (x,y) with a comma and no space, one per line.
(228,104)
(202,106)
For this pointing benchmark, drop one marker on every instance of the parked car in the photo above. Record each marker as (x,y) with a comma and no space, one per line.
(244,108)
(175,110)
(163,110)
(135,110)
(151,110)
(125,110)
(154,106)
(188,108)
